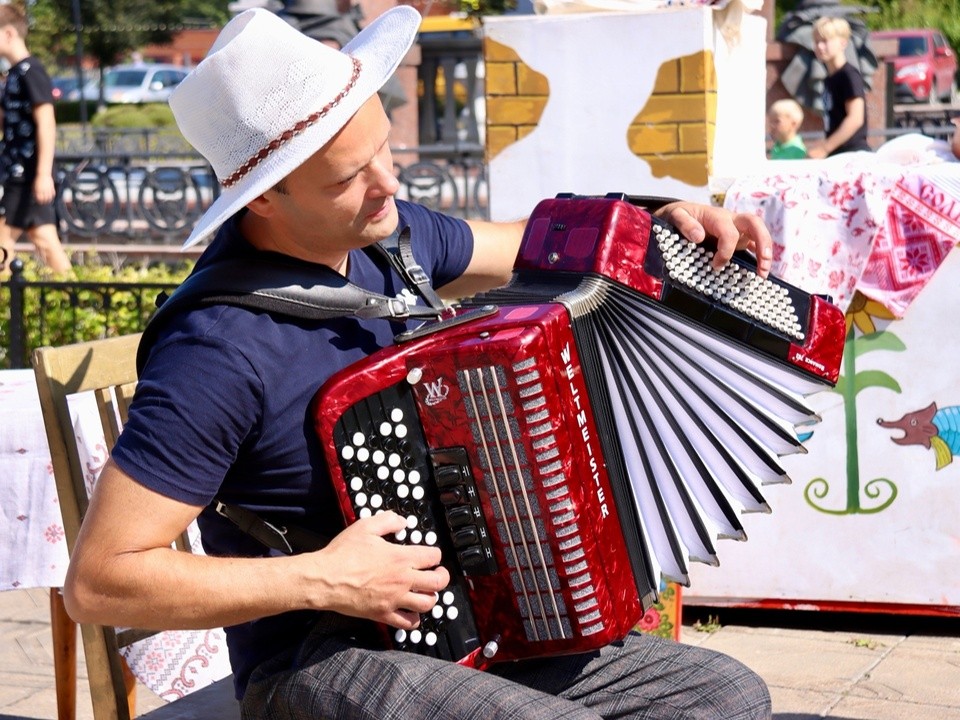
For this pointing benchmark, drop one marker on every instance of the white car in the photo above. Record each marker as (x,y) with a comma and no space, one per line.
(136,83)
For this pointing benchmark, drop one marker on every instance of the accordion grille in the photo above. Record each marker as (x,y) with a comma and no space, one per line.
(511,427)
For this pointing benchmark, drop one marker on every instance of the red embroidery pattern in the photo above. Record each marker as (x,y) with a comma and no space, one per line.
(881,230)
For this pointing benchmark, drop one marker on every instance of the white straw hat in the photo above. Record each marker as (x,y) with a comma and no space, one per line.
(266,97)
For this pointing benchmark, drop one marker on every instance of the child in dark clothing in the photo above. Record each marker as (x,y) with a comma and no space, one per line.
(26,158)
(845,109)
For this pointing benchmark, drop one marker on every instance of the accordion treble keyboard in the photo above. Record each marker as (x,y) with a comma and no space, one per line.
(570,238)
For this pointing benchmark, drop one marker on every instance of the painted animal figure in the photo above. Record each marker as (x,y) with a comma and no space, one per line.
(932,428)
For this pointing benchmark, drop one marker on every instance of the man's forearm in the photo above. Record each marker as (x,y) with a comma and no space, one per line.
(166,589)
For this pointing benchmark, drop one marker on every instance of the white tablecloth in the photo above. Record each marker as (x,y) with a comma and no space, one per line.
(33,551)
(875,223)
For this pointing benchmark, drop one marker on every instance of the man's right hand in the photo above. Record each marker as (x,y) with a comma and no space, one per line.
(365,574)
(124,571)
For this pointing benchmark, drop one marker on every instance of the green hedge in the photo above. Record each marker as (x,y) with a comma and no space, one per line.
(65,314)
(147,115)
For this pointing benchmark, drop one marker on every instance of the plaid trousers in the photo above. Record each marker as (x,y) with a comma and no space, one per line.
(641,677)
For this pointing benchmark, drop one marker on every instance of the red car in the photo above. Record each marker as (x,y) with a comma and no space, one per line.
(925,66)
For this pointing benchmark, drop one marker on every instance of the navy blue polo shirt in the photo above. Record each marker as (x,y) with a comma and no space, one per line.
(222,408)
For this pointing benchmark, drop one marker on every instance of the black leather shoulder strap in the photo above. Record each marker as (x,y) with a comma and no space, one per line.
(397,250)
(277,285)
(315,292)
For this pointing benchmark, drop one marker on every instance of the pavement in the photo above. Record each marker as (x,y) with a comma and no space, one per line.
(818,665)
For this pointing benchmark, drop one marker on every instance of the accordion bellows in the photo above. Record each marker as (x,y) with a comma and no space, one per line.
(572,438)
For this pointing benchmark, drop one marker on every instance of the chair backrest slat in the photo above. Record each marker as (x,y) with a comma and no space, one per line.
(96,366)
(106,369)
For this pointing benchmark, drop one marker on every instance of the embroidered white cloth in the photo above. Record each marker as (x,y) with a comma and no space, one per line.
(879,223)
(34,550)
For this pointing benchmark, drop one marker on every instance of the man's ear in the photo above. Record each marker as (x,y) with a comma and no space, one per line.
(262,205)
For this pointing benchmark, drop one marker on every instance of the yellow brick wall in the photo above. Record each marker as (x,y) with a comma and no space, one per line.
(516,96)
(674,131)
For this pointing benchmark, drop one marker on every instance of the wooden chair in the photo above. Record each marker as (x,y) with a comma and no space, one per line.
(107,368)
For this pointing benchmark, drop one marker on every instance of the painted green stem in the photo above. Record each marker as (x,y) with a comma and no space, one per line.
(850,418)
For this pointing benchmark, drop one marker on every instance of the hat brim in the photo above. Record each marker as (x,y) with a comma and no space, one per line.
(379,47)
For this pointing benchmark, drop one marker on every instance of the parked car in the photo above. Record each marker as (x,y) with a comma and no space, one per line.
(925,66)
(136,83)
(63,85)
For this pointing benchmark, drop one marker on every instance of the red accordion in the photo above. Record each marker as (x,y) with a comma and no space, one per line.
(569,440)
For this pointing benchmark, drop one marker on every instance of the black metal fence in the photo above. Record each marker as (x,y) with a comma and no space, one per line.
(49,312)
(130,198)
(157,198)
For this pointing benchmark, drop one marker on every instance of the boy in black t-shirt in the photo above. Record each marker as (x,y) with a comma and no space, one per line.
(845,109)
(26,157)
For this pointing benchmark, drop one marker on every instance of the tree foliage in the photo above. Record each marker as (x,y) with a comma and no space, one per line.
(893,14)
(943,16)
(479,8)
(112,29)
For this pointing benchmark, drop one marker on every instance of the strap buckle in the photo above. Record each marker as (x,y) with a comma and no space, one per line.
(384,307)
(417,275)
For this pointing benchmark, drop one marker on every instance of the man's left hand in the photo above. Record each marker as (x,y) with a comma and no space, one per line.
(733,231)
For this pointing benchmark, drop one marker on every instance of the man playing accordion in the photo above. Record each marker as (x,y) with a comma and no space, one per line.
(298,139)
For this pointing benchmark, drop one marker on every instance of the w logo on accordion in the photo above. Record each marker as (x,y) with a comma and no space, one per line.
(570,439)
